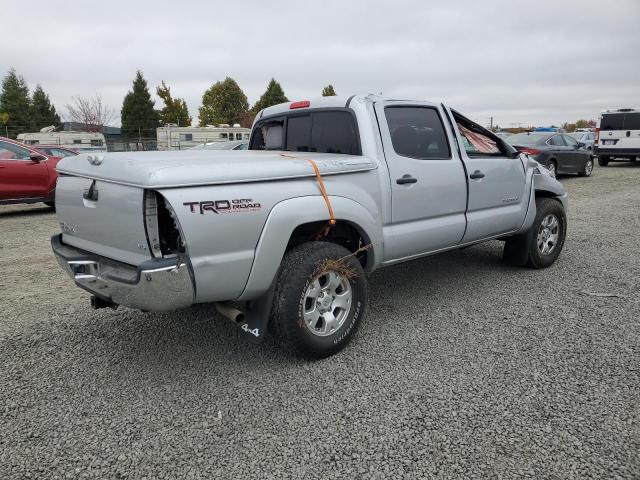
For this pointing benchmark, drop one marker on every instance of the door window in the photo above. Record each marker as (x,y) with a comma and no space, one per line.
(9,151)
(417,132)
(572,142)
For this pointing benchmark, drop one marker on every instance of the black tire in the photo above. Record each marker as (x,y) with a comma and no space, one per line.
(51,205)
(603,160)
(523,250)
(587,168)
(299,269)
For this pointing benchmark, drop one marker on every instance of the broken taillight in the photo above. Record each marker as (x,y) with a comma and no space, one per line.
(161,223)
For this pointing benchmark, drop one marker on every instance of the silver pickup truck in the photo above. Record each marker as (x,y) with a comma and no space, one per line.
(282,235)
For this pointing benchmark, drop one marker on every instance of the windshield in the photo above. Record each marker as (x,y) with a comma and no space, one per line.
(527,139)
(578,135)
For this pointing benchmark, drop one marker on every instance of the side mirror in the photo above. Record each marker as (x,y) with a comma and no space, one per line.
(36,157)
(581,145)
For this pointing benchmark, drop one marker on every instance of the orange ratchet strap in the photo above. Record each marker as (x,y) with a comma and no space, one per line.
(323,190)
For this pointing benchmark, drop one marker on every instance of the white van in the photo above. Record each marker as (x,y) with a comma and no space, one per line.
(618,136)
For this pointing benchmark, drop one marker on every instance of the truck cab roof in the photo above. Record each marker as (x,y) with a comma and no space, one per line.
(338,101)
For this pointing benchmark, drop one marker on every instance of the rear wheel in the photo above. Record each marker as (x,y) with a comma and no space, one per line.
(587,169)
(603,160)
(542,244)
(320,299)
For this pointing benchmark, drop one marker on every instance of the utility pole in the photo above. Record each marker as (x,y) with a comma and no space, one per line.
(491,124)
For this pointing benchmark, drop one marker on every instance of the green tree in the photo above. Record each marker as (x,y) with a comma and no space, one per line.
(582,123)
(328,91)
(174,110)
(15,101)
(272,96)
(224,102)
(139,118)
(43,114)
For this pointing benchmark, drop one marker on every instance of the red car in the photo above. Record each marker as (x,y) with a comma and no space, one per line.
(26,175)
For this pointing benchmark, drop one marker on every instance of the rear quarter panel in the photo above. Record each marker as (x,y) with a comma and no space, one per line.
(222,245)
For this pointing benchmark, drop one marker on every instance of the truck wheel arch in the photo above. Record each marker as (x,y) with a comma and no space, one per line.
(284,229)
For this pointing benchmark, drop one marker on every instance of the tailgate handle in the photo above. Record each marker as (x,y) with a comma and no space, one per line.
(91,193)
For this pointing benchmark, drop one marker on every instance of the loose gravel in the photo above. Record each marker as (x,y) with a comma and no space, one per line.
(464,367)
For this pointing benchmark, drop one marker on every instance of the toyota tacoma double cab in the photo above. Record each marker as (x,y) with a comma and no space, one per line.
(282,236)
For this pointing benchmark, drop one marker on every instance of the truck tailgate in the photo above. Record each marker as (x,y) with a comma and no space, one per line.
(109,223)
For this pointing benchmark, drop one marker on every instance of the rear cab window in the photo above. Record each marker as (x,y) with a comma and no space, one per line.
(318,131)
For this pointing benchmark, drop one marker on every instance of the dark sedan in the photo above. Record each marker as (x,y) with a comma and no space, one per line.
(557,151)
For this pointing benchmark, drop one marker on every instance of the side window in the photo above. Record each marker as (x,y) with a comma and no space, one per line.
(556,141)
(299,134)
(417,132)
(9,151)
(476,140)
(572,142)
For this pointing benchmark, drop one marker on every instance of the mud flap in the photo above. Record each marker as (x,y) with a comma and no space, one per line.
(256,316)
(516,249)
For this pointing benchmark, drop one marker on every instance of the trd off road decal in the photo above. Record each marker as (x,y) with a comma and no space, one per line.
(224,206)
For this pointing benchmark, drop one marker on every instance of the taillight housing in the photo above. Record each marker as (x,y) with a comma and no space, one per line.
(530,151)
(161,223)
(597,136)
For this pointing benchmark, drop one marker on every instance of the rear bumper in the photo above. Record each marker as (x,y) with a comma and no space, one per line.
(155,285)
(617,152)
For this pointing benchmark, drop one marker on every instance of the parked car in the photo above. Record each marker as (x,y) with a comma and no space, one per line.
(55,150)
(503,135)
(26,174)
(585,137)
(329,189)
(618,136)
(559,152)
(233,145)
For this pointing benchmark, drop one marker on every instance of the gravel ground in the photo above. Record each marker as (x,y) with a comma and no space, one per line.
(464,368)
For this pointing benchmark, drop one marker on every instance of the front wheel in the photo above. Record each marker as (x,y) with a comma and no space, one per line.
(542,244)
(319,300)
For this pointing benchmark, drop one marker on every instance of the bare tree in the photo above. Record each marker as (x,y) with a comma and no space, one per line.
(90,113)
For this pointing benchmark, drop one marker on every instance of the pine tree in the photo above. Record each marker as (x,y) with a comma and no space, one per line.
(224,102)
(272,96)
(138,117)
(15,102)
(43,114)
(328,91)
(174,110)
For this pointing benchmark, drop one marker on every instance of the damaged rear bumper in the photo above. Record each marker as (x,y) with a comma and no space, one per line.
(155,285)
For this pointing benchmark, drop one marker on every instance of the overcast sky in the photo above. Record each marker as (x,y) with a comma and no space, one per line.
(535,61)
